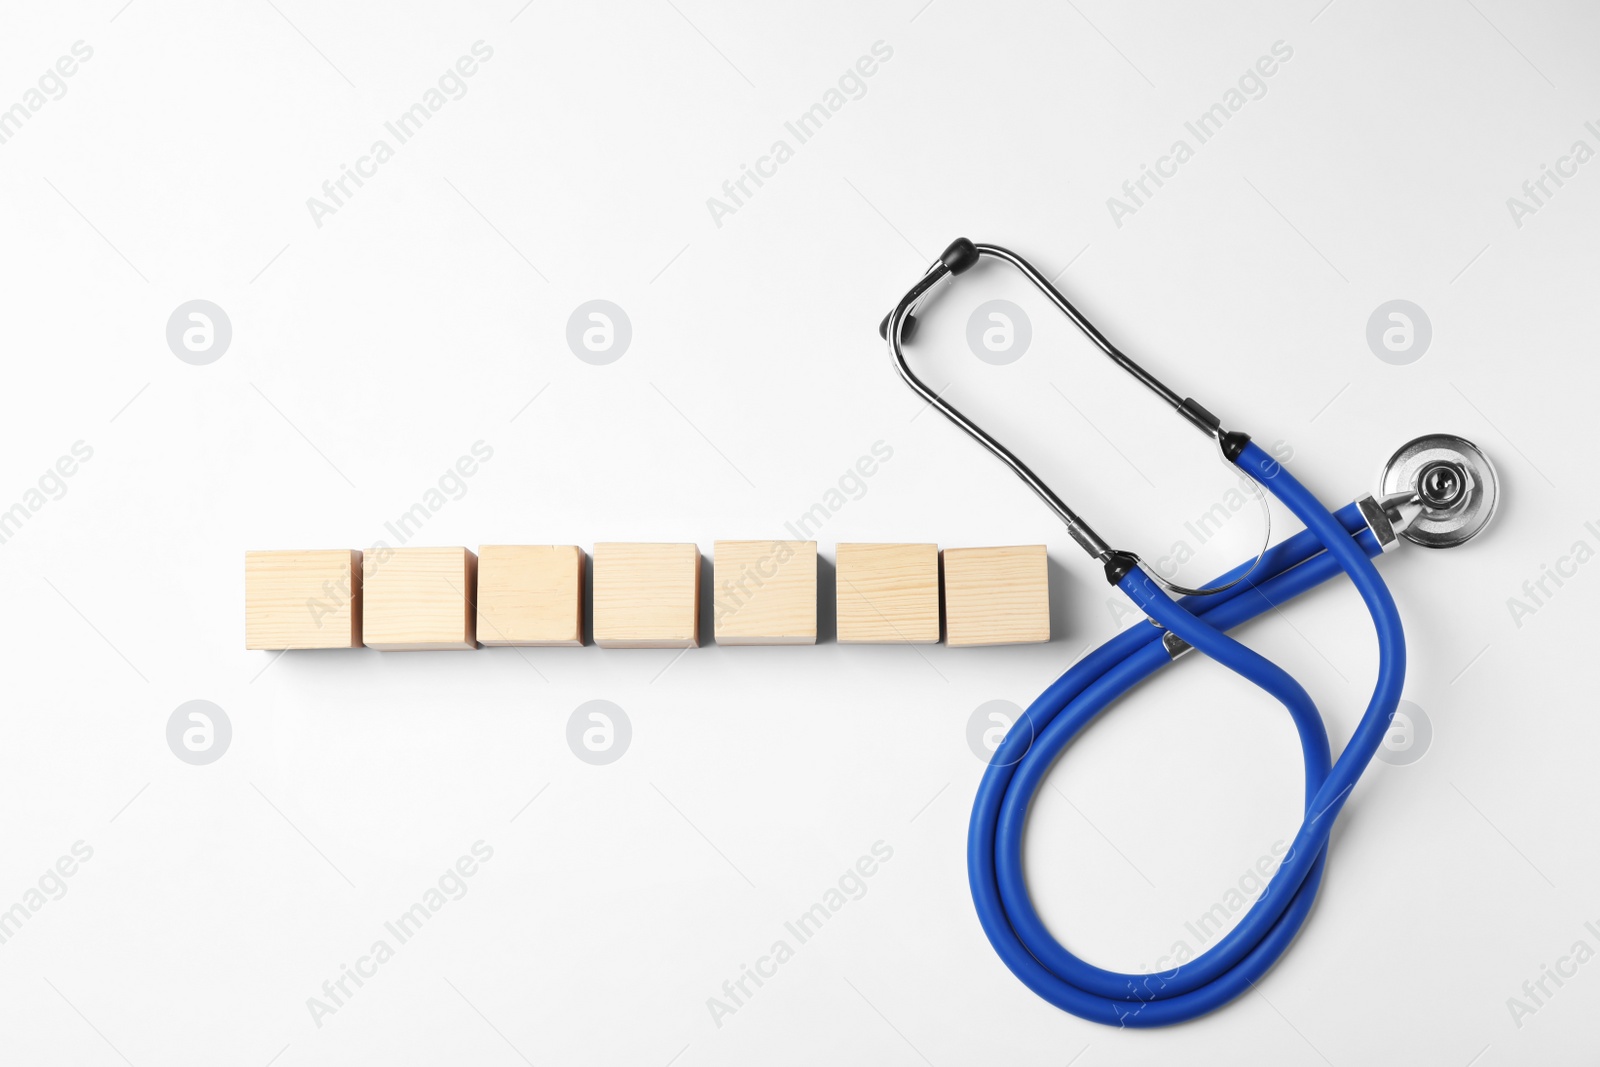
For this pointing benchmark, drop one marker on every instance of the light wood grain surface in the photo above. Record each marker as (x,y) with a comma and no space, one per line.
(646,595)
(419,599)
(765,592)
(996,596)
(530,595)
(302,599)
(888,593)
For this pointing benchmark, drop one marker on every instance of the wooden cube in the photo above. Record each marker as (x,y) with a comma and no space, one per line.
(646,595)
(888,594)
(996,596)
(530,595)
(302,599)
(765,592)
(419,599)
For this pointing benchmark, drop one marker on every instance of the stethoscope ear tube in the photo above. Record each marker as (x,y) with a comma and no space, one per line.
(961,256)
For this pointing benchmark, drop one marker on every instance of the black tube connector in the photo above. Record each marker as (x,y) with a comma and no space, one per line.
(1233,443)
(1119,565)
(1196,413)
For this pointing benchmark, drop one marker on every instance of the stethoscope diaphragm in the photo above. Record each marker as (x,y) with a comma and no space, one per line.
(1451,480)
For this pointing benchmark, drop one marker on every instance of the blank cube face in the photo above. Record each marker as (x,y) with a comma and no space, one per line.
(996,596)
(302,599)
(530,595)
(419,599)
(646,595)
(888,594)
(765,592)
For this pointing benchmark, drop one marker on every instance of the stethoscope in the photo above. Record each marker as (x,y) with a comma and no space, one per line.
(1436,491)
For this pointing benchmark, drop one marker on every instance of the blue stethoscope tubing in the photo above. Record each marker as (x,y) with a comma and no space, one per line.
(1330,543)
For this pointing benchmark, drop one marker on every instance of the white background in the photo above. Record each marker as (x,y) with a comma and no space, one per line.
(429,313)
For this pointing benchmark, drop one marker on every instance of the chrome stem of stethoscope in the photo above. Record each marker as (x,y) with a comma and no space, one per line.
(959,257)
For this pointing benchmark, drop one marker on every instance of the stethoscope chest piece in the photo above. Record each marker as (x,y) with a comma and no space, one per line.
(1451,481)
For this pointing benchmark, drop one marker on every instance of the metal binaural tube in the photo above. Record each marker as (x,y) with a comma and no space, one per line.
(1077,528)
(960,256)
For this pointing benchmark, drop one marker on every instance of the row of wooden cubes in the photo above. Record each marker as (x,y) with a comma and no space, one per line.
(645,596)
